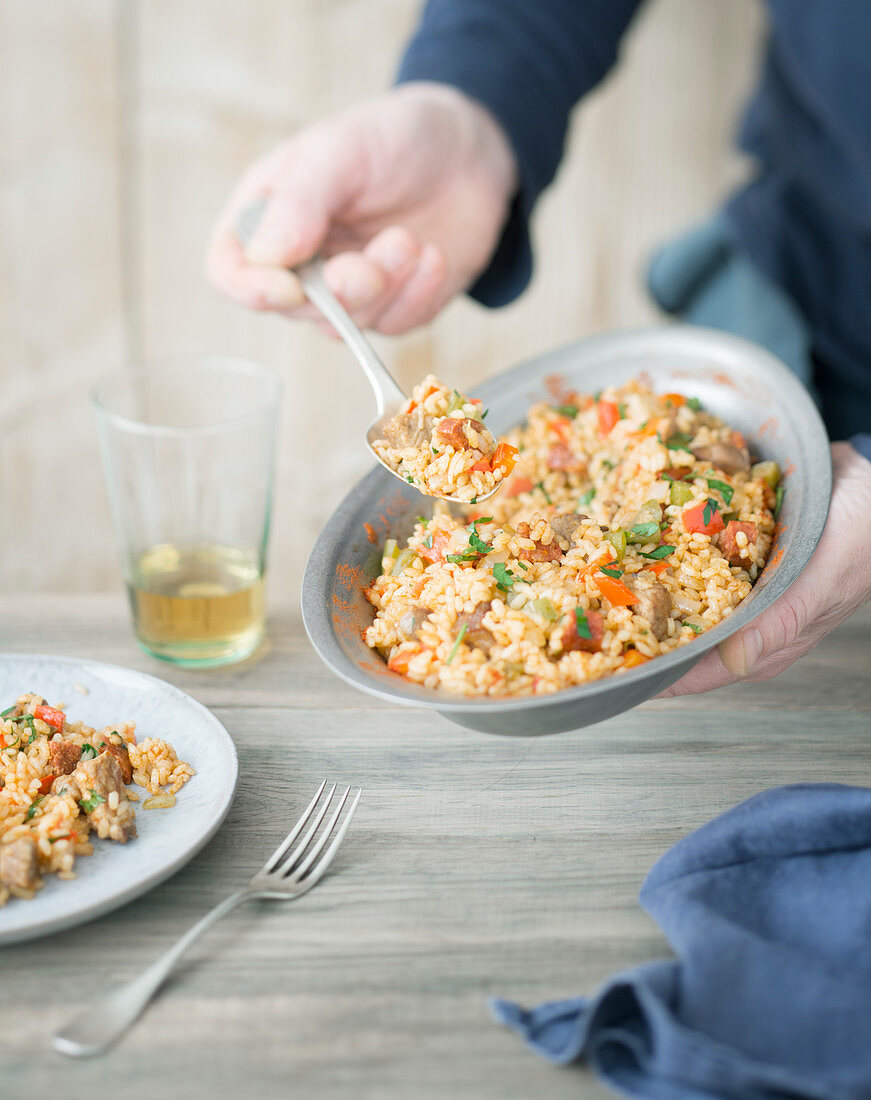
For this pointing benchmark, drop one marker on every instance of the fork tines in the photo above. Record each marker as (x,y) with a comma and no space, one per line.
(306,864)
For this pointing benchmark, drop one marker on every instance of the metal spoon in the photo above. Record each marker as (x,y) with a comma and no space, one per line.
(389,398)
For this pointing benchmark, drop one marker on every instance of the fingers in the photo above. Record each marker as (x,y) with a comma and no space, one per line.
(393,277)
(708,674)
(303,183)
(419,299)
(270,288)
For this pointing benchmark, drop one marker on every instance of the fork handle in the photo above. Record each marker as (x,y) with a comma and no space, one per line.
(107,1021)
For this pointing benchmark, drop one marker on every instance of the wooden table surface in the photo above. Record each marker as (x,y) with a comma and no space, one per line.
(476,866)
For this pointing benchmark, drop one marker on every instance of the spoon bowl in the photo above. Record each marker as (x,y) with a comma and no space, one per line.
(389,397)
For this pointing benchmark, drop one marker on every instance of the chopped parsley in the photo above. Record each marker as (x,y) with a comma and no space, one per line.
(726,491)
(694,404)
(461,559)
(778,500)
(709,511)
(597,396)
(609,572)
(90,804)
(582,627)
(484,414)
(461,634)
(88,751)
(643,532)
(474,500)
(607,464)
(585,498)
(540,485)
(621,409)
(427,542)
(33,806)
(522,566)
(659,553)
(679,441)
(694,627)
(571,411)
(421,519)
(477,543)
(410,480)
(503,576)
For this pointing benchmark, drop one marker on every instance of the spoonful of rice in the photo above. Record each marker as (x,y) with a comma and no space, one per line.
(435,440)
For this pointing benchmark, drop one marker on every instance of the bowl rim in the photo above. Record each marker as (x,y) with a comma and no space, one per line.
(319,571)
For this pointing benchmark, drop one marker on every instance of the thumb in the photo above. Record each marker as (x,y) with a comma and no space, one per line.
(740,652)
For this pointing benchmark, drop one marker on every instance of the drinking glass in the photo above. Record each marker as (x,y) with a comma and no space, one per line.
(188,447)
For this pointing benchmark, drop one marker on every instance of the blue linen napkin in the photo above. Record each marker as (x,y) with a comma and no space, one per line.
(768,909)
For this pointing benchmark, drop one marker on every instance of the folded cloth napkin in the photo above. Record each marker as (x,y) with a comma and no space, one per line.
(768,909)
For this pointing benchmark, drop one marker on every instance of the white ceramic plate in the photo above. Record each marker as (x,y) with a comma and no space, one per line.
(167,839)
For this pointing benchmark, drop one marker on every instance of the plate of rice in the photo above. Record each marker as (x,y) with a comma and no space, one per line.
(110,780)
(667,486)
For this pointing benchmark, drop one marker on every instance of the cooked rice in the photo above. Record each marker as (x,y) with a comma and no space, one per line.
(502,604)
(40,804)
(439,444)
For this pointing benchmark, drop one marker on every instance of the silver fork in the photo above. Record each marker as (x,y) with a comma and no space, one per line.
(280,878)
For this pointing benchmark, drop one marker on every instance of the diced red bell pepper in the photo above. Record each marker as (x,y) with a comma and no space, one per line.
(519,485)
(608,414)
(50,716)
(694,519)
(45,784)
(657,568)
(440,543)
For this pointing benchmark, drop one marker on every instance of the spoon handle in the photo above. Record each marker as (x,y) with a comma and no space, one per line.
(311,275)
(387,392)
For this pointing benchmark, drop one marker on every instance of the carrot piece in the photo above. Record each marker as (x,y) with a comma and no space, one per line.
(675,399)
(482,466)
(657,568)
(519,485)
(45,784)
(697,522)
(614,591)
(633,658)
(399,661)
(505,456)
(608,414)
(559,427)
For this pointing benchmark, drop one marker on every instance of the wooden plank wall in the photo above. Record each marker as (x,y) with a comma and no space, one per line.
(123,123)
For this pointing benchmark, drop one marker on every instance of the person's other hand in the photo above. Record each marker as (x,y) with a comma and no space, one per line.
(407,194)
(834,584)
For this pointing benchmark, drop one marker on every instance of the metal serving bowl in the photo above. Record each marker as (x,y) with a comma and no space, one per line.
(749,388)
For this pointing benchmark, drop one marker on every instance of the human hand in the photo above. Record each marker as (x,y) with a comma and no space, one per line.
(406,193)
(834,584)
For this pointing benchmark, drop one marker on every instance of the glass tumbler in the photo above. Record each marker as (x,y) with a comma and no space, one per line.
(188,447)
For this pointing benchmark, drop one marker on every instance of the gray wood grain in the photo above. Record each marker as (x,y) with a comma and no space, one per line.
(476,866)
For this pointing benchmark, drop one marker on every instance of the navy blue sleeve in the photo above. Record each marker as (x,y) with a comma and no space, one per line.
(862,443)
(528,62)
